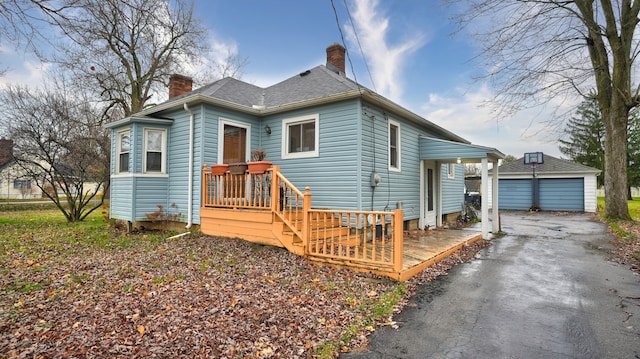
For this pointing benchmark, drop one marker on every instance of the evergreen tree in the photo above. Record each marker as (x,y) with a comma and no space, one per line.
(584,140)
(584,135)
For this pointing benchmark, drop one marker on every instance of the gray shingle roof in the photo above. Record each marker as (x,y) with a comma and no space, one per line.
(312,84)
(551,165)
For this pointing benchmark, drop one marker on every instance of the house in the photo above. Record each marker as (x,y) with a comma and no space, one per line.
(14,184)
(561,185)
(327,137)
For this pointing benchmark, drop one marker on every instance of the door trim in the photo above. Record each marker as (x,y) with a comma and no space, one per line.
(424,220)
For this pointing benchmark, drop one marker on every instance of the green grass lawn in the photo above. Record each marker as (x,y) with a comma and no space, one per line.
(634,207)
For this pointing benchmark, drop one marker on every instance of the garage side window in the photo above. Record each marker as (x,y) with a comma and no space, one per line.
(122,151)
(154,150)
(300,137)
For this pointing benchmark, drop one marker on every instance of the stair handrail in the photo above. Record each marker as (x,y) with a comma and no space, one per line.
(278,180)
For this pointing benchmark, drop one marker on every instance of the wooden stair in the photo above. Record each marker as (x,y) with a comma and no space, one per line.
(321,228)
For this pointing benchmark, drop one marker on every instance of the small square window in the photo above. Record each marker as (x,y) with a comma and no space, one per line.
(300,137)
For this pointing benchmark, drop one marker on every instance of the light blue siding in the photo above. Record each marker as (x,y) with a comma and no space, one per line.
(353,142)
(333,175)
(150,193)
(178,163)
(134,194)
(121,205)
(452,189)
(403,186)
(562,194)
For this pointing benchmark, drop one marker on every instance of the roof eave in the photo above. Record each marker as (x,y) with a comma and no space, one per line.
(258,111)
(394,107)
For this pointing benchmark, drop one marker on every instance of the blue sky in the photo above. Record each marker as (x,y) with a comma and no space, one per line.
(411,53)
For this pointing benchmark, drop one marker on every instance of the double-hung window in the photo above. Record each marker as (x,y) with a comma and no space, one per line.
(123,149)
(300,137)
(394,145)
(154,150)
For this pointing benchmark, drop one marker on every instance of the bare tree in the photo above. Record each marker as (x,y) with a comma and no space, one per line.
(550,52)
(123,51)
(26,22)
(128,49)
(59,145)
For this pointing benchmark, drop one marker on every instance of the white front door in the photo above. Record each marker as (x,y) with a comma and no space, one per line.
(429,194)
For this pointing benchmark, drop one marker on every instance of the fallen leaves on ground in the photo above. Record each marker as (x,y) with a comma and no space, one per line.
(628,249)
(191,297)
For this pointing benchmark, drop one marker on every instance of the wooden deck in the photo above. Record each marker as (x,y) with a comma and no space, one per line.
(422,249)
(268,209)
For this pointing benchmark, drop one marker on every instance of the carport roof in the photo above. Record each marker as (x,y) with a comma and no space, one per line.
(452,151)
(551,165)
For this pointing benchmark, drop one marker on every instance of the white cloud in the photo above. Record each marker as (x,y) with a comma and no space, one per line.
(29,72)
(386,60)
(465,115)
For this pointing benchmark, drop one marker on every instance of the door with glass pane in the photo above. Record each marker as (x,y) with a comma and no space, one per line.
(429,200)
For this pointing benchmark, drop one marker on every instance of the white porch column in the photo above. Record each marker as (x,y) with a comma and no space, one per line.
(484,190)
(438,177)
(494,199)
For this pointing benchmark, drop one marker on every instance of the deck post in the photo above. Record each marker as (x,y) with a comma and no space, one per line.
(398,239)
(205,186)
(306,221)
(275,189)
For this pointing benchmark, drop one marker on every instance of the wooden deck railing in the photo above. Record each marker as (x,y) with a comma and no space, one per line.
(289,203)
(362,238)
(367,239)
(245,190)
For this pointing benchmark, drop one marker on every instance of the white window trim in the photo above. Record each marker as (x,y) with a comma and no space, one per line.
(285,136)
(246,126)
(451,170)
(118,146)
(399,144)
(163,160)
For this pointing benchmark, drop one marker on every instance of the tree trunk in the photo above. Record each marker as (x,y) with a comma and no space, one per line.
(615,164)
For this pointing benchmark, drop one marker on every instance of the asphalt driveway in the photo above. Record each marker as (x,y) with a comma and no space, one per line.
(545,290)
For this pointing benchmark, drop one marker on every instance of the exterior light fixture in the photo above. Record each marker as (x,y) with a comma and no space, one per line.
(267,129)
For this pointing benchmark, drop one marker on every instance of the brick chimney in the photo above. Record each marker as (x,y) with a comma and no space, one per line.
(335,56)
(6,150)
(179,84)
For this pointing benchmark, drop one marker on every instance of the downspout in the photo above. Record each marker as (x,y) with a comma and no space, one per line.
(190,183)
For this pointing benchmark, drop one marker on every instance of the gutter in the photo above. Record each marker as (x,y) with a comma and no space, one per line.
(190,181)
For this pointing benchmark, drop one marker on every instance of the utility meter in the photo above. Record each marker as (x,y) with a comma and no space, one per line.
(375,179)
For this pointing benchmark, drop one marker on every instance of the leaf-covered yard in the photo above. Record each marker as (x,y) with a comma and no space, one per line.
(628,236)
(82,290)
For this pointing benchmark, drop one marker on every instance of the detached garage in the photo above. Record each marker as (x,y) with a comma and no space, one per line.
(562,185)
